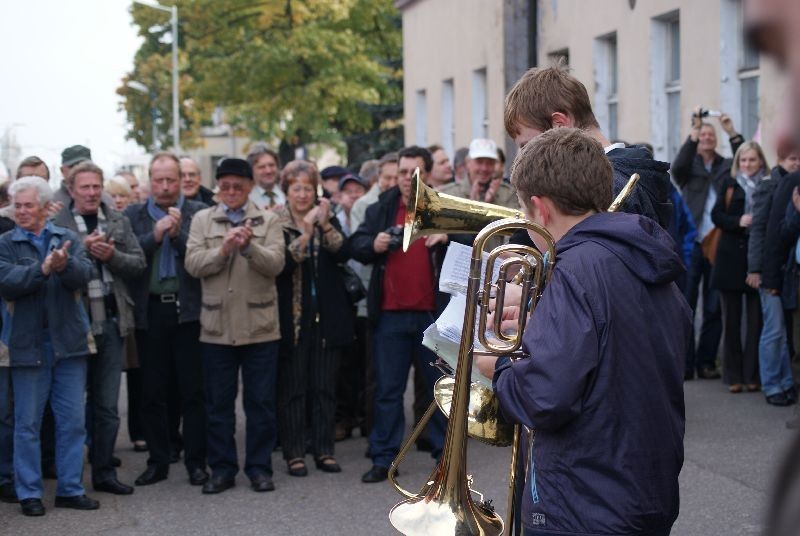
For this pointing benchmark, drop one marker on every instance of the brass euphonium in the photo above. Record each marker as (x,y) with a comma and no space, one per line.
(445,504)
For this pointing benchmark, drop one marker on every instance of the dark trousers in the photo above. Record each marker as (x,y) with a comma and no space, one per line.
(307,380)
(350,378)
(705,354)
(258,363)
(740,363)
(165,344)
(133,378)
(6,427)
(102,418)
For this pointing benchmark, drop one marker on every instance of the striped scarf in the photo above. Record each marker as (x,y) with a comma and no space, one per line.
(99,287)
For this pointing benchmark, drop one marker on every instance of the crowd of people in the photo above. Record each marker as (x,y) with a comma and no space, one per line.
(289,280)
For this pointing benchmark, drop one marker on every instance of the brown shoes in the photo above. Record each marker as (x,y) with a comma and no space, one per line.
(736,388)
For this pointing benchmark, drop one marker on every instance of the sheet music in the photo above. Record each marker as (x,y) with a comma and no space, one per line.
(455,269)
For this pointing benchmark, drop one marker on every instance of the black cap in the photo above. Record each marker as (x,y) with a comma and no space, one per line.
(234,166)
(75,155)
(351,177)
(333,172)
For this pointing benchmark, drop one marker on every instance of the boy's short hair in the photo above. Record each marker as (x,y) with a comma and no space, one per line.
(540,93)
(569,167)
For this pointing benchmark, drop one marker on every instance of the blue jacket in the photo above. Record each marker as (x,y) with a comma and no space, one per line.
(681,226)
(29,296)
(603,387)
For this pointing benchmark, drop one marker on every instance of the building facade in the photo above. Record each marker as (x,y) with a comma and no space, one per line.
(645,63)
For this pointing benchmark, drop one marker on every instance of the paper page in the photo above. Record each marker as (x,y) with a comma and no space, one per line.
(454,276)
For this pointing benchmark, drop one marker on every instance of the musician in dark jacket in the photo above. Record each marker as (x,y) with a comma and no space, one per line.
(699,171)
(401,302)
(603,387)
(733,214)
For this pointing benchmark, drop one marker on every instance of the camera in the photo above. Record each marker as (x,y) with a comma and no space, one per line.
(704,112)
(396,232)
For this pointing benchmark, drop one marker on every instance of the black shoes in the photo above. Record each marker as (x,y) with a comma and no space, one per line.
(218,484)
(262,483)
(778,399)
(151,475)
(174,455)
(139,446)
(198,476)
(77,502)
(708,374)
(8,494)
(113,486)
(32,507)
(297,467)
(376,474)
(328,464)
(791,394)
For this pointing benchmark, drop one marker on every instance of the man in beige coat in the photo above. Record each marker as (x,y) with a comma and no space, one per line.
(236,249)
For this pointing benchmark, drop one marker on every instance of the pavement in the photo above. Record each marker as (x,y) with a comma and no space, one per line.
(733,445)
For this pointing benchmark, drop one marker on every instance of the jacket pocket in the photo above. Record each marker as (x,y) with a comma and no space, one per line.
(262,313)
(211,315)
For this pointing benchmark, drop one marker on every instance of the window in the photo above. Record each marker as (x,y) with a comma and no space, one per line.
(448,117)
(480,106)
(665,85)
(421,110)
(558,55)
(606,82)
(748,76)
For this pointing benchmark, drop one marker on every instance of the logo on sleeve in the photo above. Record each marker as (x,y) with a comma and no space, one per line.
(538,519)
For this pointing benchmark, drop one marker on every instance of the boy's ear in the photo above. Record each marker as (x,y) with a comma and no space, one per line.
(558,119)
(541,209)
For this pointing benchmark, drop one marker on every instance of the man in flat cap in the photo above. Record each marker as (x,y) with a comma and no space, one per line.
(236,249)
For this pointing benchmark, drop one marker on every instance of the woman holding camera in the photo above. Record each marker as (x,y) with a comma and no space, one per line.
(733,214)
(311,299)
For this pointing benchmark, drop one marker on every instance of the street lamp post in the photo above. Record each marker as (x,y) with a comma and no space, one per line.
(173,11)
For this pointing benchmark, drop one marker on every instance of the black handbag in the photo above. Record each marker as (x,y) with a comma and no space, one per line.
(352,284)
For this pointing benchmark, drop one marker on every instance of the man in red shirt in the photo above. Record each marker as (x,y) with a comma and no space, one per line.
(401,304)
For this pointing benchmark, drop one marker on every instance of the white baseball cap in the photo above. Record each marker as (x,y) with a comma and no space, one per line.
(483,148)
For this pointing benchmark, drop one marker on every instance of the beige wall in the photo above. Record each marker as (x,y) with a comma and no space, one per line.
(574,24)
(445,39)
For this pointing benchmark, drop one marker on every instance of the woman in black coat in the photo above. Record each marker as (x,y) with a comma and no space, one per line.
(315,320)
(732,213)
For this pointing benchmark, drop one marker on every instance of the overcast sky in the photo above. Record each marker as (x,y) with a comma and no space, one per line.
(60,63)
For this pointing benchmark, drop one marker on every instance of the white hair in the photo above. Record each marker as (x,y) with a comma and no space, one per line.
(31,182)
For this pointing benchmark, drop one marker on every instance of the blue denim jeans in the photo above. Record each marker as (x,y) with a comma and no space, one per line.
(773,351)
(259,365)
(64,382)
(397,338)
(102,418)
(6,428)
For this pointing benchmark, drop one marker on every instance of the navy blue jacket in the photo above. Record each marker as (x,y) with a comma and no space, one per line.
(651,196)
(189,287)
(29,297)
(603,387)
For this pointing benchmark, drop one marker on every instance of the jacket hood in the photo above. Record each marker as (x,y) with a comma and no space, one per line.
(637,159)
(640,243)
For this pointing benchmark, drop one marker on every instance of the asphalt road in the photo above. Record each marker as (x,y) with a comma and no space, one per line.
(733,446)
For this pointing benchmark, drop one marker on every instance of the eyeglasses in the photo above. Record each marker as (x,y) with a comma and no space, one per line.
(236,187)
